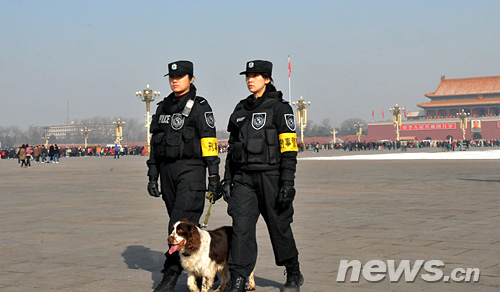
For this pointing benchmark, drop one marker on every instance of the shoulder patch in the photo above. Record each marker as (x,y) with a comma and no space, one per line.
(290,121)
(210,119)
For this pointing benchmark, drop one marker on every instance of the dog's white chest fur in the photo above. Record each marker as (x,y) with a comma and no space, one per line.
(199,261)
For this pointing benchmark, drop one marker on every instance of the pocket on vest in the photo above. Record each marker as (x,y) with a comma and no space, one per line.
(255,149)
(172,143)
(237,152)
(188,150)
(158,146)
(272,145)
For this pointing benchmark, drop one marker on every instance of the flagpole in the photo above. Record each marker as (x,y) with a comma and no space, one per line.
(289,83)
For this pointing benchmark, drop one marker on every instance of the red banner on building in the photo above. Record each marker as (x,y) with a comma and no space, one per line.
(439,126)
(498,124)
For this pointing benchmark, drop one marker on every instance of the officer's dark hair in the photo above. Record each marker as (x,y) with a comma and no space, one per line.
(191,76)
(270,86)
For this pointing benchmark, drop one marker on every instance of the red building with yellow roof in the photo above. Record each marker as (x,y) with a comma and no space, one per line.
(479,97)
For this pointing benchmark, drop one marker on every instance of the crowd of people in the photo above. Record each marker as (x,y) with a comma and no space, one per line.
(38,154)
(42,154)
(399,145)
(101,151)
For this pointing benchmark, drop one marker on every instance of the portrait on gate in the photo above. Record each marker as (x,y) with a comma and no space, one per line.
(475,125)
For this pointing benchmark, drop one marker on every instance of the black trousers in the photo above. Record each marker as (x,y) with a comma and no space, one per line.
(183,187)
(255,193)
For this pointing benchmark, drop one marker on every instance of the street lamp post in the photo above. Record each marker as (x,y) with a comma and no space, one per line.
(462,115)
(334,132)
(85,132)
(147,95)
(396,118)
(119,131)
(359,127)
(301,115)
(46,138)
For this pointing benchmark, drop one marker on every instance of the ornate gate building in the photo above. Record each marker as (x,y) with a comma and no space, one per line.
(478,97)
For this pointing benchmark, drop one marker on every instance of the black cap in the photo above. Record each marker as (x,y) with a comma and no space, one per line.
(180,68)
(259,66)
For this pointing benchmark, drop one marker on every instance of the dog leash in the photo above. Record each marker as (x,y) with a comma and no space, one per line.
(210,197)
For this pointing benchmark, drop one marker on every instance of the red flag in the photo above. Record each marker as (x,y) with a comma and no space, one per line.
(405,112)
(373,113)
(289,67)
(382,113)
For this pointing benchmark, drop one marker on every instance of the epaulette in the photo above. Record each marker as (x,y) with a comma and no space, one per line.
(159,102)
(284,101)
(201,100)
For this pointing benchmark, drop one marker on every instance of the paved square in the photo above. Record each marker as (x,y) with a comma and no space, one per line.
(88,224)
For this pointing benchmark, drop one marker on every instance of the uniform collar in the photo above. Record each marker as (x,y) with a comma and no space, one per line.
(172,105)
(252,103)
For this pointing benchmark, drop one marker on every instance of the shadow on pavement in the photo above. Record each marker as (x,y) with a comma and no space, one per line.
(262,282)
(484,180)
(141,257)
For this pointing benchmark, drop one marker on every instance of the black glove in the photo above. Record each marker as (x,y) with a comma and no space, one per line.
(153,188)
(285,196)
(214,187)
(227,189)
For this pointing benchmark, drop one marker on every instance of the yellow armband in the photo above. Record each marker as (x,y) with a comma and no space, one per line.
(288,142)
(209,147)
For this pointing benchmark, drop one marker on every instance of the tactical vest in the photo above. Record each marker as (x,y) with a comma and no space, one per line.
(256,142)
(174,135)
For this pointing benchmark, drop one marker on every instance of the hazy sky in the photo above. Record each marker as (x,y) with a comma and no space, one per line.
(347,57)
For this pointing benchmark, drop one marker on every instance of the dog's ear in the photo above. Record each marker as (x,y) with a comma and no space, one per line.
(191,227)
(193,241)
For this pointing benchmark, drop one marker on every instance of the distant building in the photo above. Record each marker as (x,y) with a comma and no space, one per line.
(68,130)
(479,96)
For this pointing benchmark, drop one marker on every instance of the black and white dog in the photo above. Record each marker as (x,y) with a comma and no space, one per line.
(203,254)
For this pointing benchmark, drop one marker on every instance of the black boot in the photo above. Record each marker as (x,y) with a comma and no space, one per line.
(294,278)
(172,269)
(236,284)
(168,282)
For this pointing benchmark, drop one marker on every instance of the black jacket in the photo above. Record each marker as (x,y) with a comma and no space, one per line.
(176,136)
(262,136)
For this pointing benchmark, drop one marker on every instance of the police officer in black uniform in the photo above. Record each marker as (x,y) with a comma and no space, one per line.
(183,147)
(259,177)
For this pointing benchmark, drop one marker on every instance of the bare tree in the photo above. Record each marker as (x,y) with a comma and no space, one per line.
(347,127)
(315,130)
(12,135)
(134,131)
(34,135)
